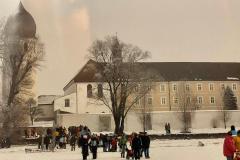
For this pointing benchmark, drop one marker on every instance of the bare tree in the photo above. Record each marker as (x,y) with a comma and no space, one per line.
(120,72)
(21,58)
(34,111)
(187,104)
(145,107)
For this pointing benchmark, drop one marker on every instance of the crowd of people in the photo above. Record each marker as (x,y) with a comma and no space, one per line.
(231,145)
(131,146)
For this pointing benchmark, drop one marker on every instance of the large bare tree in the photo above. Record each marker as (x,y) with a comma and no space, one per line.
(120,73)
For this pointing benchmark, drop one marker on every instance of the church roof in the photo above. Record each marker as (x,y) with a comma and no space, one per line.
(21,24)
(171,71)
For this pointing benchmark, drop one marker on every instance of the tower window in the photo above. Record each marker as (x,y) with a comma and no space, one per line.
(89,91)
(100,90)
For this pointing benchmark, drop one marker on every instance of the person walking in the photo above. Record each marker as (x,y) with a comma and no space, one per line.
(94,145)
(73,142)
(84,144)
(228,146)
(136,146)
(145,145)
(122,144)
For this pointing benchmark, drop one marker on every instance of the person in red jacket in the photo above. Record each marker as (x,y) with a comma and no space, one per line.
(228,147)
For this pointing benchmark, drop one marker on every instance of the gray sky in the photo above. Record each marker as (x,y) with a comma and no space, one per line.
(172,30)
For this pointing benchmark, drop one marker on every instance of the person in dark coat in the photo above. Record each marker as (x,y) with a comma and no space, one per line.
(136,146)
(145,145)
(84,144)
(104,141)
(73,142)
(94,145)
(47,141)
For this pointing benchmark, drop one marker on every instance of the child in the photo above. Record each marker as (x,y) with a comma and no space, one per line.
(129,149)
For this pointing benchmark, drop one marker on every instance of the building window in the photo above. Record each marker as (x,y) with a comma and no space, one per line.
(163,100)
(136,88)
(175,100)
(89,91)
(100,90)
(149,88)
(187,87)
(223,86)
(234,87)
(211,86)
(149,101)
(67,102)
(188,100)
(200,100)
(162,88)
(174,87)
(212,100)
(138,102)
(199,87)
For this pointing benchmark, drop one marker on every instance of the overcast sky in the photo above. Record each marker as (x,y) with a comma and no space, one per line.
(172,30)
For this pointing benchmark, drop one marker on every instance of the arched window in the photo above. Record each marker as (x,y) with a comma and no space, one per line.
(100,90)
(89,90)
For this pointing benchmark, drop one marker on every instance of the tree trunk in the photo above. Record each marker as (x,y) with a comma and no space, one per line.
(119,124)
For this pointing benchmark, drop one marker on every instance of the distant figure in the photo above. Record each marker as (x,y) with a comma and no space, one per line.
(145,145)
(94,145)
(73,142)
(166,128)
(169,128)
(233,130)
(228,146)
(136,146)
(122,144)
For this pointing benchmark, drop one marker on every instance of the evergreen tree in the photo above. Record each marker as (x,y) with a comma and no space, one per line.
(229,100)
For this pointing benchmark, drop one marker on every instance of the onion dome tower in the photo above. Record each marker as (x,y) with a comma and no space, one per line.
(21,24)
(19,30)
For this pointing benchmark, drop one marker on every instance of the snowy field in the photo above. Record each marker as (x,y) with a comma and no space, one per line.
(160,150)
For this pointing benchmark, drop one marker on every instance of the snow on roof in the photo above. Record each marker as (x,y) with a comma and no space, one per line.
(44,124)
(232,78)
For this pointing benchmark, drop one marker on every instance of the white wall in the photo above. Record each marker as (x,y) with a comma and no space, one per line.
(201,120)
(89,105)
(59,103)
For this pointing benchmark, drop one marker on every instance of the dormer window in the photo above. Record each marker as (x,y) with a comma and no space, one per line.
(89,91)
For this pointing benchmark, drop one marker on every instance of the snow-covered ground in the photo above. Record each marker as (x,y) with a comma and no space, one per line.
(160,150)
